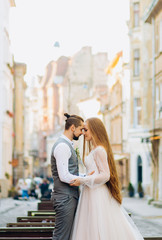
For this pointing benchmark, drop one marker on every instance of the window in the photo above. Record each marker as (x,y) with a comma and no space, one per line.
(137,112)
(136,62)
(136,15)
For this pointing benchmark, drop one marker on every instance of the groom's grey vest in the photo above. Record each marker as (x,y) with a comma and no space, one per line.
(61,187)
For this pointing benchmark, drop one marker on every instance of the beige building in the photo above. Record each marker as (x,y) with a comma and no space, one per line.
(85,78)
(79,79)
(118,121)
(31,125)
(18,161)
(44,115)
(6,99)
(145,65)
(153,18)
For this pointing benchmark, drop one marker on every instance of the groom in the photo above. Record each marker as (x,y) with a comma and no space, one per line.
(64,166)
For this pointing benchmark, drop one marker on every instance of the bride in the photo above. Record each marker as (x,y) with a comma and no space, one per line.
(100,215)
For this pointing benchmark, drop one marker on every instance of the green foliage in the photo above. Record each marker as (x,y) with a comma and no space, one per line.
(7,175)
(140,188)
(130,187)
(131,190)
(150,201)
(78,153)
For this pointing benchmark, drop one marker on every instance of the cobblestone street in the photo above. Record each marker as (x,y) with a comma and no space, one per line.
(147,218)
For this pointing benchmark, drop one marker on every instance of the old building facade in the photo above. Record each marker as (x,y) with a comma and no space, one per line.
(153,17)
(6,99)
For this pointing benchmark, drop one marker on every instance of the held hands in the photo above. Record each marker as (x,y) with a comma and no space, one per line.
(76,182)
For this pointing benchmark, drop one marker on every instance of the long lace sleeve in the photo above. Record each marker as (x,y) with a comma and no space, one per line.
(103,174)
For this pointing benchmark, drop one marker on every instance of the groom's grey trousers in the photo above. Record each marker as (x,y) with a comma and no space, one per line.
(65,208)
(65,197)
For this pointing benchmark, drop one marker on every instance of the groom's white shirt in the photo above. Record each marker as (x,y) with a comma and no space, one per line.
(62,154)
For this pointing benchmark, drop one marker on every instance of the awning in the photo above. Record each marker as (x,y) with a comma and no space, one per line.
(118,157)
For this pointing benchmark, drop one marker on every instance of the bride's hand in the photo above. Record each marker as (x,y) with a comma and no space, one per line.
(91,173)
(75,182)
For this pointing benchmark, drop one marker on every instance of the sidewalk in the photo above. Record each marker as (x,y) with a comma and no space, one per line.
(10,209)
(7,204)
(140,207)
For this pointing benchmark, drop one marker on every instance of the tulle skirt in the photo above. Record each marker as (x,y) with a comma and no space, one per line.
(100,217)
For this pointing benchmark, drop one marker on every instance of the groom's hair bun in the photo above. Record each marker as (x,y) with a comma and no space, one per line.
(72,119)
(66,115)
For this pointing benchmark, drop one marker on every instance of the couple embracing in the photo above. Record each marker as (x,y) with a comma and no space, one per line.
(97,214)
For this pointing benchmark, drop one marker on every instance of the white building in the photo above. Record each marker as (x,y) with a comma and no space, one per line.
(6,99)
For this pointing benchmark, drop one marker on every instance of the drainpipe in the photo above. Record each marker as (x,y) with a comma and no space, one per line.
(155,174)
(153,75)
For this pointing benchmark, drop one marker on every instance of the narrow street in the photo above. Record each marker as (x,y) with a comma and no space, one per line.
(147,218)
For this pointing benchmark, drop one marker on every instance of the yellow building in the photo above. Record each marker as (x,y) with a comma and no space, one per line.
(6,95)
(18,161)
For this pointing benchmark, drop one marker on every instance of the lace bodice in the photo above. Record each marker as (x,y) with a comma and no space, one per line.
(90,163)
(96,161)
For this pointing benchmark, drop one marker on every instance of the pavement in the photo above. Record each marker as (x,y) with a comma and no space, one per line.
(147,218)
(8,204)
(10,209)
(140,207)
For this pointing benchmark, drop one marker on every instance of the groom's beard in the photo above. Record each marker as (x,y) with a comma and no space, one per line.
(75,137)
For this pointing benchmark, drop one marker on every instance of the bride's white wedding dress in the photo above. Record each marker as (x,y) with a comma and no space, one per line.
(99,216)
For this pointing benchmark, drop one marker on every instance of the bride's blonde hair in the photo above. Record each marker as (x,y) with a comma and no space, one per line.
(100,138)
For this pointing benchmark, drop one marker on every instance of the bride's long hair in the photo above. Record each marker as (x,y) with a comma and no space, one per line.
(100,137)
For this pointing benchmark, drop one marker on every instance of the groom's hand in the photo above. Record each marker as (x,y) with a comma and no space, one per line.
(75,182)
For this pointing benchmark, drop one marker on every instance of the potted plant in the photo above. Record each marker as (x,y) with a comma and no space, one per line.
(140,190)
(130,190)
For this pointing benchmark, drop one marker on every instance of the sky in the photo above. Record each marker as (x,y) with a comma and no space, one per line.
(35,25)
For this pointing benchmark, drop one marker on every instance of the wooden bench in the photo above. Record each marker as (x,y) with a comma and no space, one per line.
(36,219)
(31,224)
(25,238)
(50,238)
(26,232)
(41,213)
(153,238)
(45,205)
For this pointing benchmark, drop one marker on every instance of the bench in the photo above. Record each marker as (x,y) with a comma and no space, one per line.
(50,238)
(26,232)
(31,224)
(41,213)
(25,238)
(45,205)
(153,238)
(36,219)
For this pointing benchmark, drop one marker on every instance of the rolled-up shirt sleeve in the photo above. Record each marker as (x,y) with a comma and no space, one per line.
(62,154)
